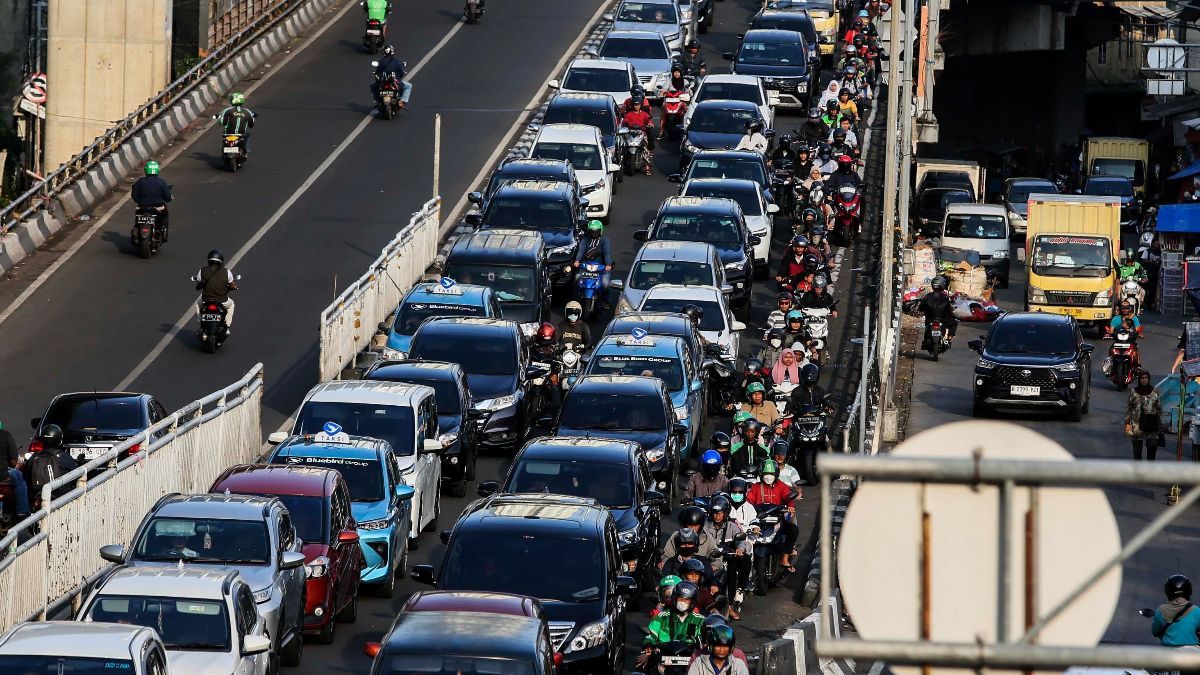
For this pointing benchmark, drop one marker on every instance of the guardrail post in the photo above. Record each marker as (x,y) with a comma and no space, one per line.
(864,378)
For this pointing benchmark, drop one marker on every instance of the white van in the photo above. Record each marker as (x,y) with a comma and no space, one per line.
(982,228)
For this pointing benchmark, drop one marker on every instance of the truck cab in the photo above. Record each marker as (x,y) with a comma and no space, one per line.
(1115,156)
(1070,253)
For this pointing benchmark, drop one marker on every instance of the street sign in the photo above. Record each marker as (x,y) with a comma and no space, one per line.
(921,561)
(1165,55)
(35,90)
(31,107)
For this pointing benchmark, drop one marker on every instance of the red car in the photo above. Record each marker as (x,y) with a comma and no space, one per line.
(319,503)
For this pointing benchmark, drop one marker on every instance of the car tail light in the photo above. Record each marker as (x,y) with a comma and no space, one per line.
(36,446)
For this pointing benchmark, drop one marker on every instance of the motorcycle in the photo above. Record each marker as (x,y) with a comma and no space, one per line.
(213,327)
(762,533)
(1123,358)
(847,213)
(148,234)
(540,379)
(810,436)
(572,363)
(373,37)
(589,287)
(674,107)
(1131,292)
(1149,614)
(721,394)
(389,94)
(234,151)
(783,181)
(938,340)
(635,150)
(672,658)
(782,395)
(473,12)
(816,324)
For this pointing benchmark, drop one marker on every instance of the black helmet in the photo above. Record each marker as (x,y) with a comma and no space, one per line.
(637,90)
(216,257)
(52,436)
(685,591)
(711,621)
(780,447)
(389,50)
(937,283)
(832,106)
(814,114)
(719,504)
(691,565)
(799,240)
(753,365)
(775,334)
(736,486)
(692,515)
(803,147)
(859,39)
(809,374)
(686,536)
(752,425)
(839,134)
(720,440)
(824,152)
(754,126)
(676,67)
(694,312)
(693,44)
(785,141)
(721,636)
(1178,586)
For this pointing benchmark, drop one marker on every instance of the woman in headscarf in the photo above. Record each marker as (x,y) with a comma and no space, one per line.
(786,369)
(830,94)
(1143,417)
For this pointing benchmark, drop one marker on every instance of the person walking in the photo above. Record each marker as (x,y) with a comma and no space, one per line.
(1143,417)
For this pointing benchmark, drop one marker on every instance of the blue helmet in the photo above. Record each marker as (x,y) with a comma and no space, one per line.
(711,458)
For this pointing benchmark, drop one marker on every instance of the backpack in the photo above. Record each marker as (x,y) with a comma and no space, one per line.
(43,468)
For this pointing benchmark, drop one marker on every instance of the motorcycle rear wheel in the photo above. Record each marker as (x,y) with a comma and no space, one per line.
(386,110)
(144,248)
(627,166)
(1119,375)
(210,345)
(589,308)
(231,163)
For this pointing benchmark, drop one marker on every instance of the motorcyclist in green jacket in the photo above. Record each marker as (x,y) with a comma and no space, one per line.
(377,10)
(680,624)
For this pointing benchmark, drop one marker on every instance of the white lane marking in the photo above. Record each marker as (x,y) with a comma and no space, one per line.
(877,668)
(116,207)
(275,217)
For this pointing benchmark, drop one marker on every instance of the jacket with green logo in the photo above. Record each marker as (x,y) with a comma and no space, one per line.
(377,9)
(669,627)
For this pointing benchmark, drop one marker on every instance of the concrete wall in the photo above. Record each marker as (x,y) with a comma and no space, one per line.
(14,36)
(105,58)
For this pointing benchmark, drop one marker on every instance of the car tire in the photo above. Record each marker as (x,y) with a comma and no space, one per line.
(469,472)
(326,634)
(703,25)
(349,613)
(387,589)
(433,523)
(1074,413)
(272,664)
(457,489)
(1087,404)
(291,655)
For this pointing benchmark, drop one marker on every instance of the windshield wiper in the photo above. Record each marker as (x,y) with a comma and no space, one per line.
(193,645)
(1090,266)
(230,561)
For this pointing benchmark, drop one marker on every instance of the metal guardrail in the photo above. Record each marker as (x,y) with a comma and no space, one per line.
(36,198)
(225,26)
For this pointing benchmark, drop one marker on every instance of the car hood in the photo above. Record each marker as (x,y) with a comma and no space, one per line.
(484,387)
(589,176)
(788,70)
(624,519)
(649,440)
(399,342)
(258,576)
(664,29)
(729,253)
(209,662)
(557,237)
(634,296)
(758,224)
(579,613)
(364,511)
(311,551)
(1020,208)
(709,140)
(1033,360)
(521,312)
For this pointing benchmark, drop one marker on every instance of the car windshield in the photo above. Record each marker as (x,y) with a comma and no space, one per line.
(633,48)
(615,412)
(582,156)
(745,169)
(528,213)
(308,515)
(1014,337)
(63,665)
(1019,194)
(1125,168)
(713,120)
(713,229)
(390,423)
(512,284)
(664,368)
(747,199)
(445,391)
(975,226)
(445,664)
(643,12)
(650,273)
(607,483)
(494,561)
(363,476)
(797,22)
(1065,256)
(412,314)
(100,415)
(1108,188)
(597,79)
(733,91)
(182,623)
(487,353)
(773,54)
(601,118)
(713,319)
(204,540)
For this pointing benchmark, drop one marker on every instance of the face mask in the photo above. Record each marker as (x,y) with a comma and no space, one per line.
(572,317)
(737,497)
(683,605)
(776,343)
(687,550)
(768,479)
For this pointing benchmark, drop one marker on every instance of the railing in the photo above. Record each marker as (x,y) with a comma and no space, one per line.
(52,556)
(235,18)
(348,324)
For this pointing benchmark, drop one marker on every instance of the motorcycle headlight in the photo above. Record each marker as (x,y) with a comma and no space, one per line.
(561,250)
(570,358)
(448,439)
(588,189)
(263,595)
(1000,255)
(1103,298)
(984,364)
(499,403)
(681,414)
(655,454)
(1036,295)
(380,524)
(394,354)
(317,568)
(590,635)
(627,537)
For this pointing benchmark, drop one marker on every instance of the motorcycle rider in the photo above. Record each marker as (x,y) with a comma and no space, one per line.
(846,127)
(694,572)
(717,656)
(389,65)
(678,84)
(1177,621)
(795,335)
(825,161)
(636,91)
(788,475)
(743,512)
(60,463)
(378,10)
(809,393)
(709,480)
(769,491)
(678,624)
(814,131)
(936,307)
(844,175)
(762,410)
(215,283)
(831,115)
(692,62)
(819,297)
(784,152)
(572,332)
(770,352)
(776,318)
(691,518)
(847,108)
(238,119)
(666,588)
(722,529)
(12,462)
(546,349)
(816,238)
(1131,268)
(152,192)
(1125,316)
(684,545)
(753,371)
(791,266)
(754,138)
(803,163)
(595,248)
(748,450)
(638,118)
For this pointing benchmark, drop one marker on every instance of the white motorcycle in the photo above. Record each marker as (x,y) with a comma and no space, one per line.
(1132,292)
(571,363)
(816,324)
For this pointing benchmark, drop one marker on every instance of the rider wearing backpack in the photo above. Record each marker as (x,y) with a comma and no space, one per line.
(1177,621)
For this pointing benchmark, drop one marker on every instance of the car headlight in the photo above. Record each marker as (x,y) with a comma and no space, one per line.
(984,364)
(590,635)
(1103,298)
(562,250)
(623,306)
(380,524)
(627,537)
(1000,255)
(448,439)
(687,145)
(394,354)
(588,189)
(263,595)
(1036,294)
(317,568)
(736,265)
(1066,367)
(656,454)
(499,403)
(681,414)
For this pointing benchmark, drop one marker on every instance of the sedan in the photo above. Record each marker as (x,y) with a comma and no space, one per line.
(94,422)
(746,88)
(660,16)
(717,125)
(690,263)
(717,324)
(759,214)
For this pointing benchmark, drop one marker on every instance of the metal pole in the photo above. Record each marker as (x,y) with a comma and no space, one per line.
(863,379)
(1038,473)
(890,174)
(1002,603)
(694,24)
(906,121)
(827,562)
(979,656)
(437,154)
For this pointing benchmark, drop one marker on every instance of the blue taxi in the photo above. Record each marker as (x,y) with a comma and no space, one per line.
(379,499)
(439,298)
(661,356)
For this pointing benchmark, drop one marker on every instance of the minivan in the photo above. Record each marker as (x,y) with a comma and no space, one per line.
(512,263)
(982,228)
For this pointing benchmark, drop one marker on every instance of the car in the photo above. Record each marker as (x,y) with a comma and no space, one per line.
(744,164)
(717,324)
(704,15)
(1015,197)
(613,472)
(457,418)
(1121,188)
(717,221)
(758,212)
(207,619)
(403,415)
(51,647)
(95,422)
(960,179)
(930,207)
(716,124)
(726,87)
(493,355)
(380,500)
(597,110)
(583,146)
(782,59)
(510,262)
(319,503)
(825,16)
(669,262)
(524,168)
(445,297)
(627,407)
(673,324)
(982,228)
(648,53)
(548,208)
(660,16)
(1033,360)
(498,541)
(798,20)
(508,604)
(253,535)
(598,76)
(665,357)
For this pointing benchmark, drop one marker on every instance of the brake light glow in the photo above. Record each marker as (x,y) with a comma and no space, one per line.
(36,446)
(212,308)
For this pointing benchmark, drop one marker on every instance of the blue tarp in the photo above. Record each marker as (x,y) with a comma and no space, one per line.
(1192,170)
(1179,218)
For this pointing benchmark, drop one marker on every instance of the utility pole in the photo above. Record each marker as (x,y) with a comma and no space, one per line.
(891,172)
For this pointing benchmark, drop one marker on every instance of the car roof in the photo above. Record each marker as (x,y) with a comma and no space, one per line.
(464,324)
(217,506)
(981,209)
(727,104)
(426,370)
(696,251)
(89,395)
(773,35)
(275,479)
(704,204)
(600,64)
(1038,318)
(463,633)
(1029,179)
(577,447)
(797,13)
(1107,178)
(732,78)
(585,133)
(536,164)
(524,513)
(469,294)
(360,447)
(619,343)
(621,384)
(635,34)
(513,244)
(185,581)
(487,602)
(535,188)
(71,638)
(369,392)
(672,323)
(725,183)
(583,99)
(729,153)
(682,292)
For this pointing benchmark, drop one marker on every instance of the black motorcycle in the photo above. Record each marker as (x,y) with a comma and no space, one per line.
(373,37)
(809,437)
(672,658)
(214,329)
(389,94)
(148,234)
(722,395)
(539,377)
(764,531)
(473,11)
(783,180)
(233,150)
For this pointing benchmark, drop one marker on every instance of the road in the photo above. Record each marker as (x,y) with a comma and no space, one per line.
(942,394)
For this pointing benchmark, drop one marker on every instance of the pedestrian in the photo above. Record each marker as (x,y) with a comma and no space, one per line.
(12,463)
(1143,417)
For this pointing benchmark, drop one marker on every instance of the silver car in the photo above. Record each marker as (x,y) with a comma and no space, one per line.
(253,535)
(1015,197)
(647,52)
(660,16)
(691,263)
(73,647)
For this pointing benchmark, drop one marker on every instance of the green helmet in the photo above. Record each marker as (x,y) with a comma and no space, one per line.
(741,416)
(754,387)
(669,581)
(595,226)
(237,98)
(769,466)
(152,168)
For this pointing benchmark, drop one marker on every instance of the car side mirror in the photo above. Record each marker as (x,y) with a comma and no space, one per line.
(769,133)
(726,289)
(737,326)
(371,649)
(474,219)
(617,284)
(679,428)
(772,209)
(487,488)
(697,386)
(422,574)
(113,553)
(347,537)
(755,240)
(1087,348)
(654,498)
(431,445)
(641,235)
(476,197)
(728,56)
(444,536)
(740,536)
(553,84)
(476,414)
(608,17)
(975,345)
(277,437)
(290,560)
(35,422)
(675,178)
(255,644)
(626,585)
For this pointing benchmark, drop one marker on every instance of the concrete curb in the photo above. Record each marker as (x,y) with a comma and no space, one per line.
(82,195)
(843,489)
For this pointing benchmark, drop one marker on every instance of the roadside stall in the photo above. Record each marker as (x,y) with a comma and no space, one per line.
(1178,231)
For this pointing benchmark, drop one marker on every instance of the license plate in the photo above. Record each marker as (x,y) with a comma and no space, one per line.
(372,31)
(676,660)
(231,150)
(216,318)
(1022,390)
(1121,345)
(936,334)
(1085,313)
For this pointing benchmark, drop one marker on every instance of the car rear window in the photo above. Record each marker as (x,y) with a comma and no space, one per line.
(97,414)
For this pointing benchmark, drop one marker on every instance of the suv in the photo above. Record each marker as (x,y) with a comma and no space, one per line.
(583,146)
(648,53)
(757,211)
(597,110)
(207,618)
(717,124)
(95,422)
(510,262)
(737,88)
(669,262)
(436,298)
(47,647)
(548,208)
(524,168)
(498,544)
(1033,360)
(319,504)
(782,59)
(253,535)
(1015,197)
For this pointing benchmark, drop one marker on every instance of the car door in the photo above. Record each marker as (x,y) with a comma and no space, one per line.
(429,464)
(292,581)
(247,622)
(397,512)
(695,396)
(341,554)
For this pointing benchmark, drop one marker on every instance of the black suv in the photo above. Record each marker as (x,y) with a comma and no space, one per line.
(1033,360)
(783,61)
(550,208)
(562,550)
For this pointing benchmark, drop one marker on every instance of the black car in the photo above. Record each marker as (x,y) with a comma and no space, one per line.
(512,263)
(525,168)
(546,207)
(596,110)
(630,408)
(930,207)
(457,418)
(613,472)
(1033,360)
(782,59)
(95,422)
(791,19)
(562,550)
(493,356)
(704,13)
(717,124)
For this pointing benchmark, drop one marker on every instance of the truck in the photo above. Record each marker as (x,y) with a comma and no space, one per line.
(949,172)
(1071,243)
(1115,156)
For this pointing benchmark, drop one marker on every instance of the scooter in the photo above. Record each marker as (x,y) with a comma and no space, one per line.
(473,11)
(148,234)
(938,340)
(674,107)
(1131,292)
(588,286)
(213,327)
(783,180)
(1123,358)
(234,151)
(847,213)
(809,437)
(672,658)
(635,150)
(816,324)
(762,533)
(389,94)
(373,37)
(720,366)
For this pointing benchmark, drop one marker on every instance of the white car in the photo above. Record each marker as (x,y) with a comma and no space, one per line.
(661,16)
(597,76)
(45,647)
(583,146)
(717,325)
(747,88)
(207,618)
(758,212)
(404,415)
(648,53)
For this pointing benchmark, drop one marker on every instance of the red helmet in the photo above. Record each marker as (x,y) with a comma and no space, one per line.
(844,160)
(545,334)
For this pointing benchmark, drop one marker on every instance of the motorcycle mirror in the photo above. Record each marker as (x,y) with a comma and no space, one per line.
(237,277)
(195,277)
(740,536)
(375,63)
(553,84)
(741,36)
(1146,612)
(1087,348)
(617,284)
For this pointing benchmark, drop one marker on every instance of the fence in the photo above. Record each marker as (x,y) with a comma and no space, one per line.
(51,557)
(348,324)
(234,17)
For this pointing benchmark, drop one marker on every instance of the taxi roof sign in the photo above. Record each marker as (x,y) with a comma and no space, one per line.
(331,432)
(446,286)
(638,337)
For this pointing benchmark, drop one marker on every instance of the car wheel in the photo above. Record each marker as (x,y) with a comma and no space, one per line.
(349,613)
(294,652)
(272,664)
(388,588)
(325,636)
(433,524)
(457,489)
(402,568)
(1087,404)
(980,410)
(470,470)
